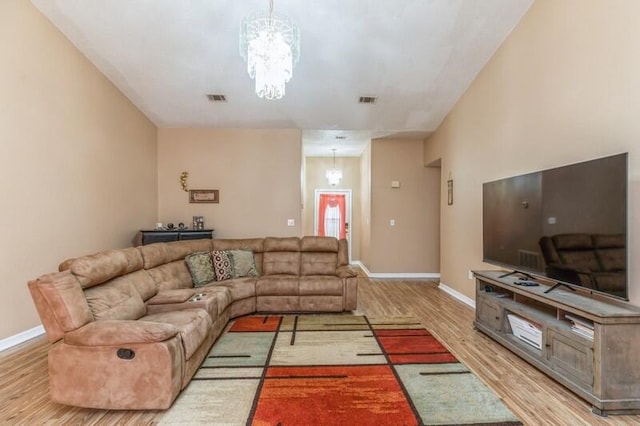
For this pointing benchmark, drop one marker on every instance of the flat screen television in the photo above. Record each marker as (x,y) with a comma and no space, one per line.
(568,224)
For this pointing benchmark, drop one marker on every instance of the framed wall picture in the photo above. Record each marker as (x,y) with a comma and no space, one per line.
(204,196)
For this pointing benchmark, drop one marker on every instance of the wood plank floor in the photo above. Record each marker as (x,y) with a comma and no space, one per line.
(531,395)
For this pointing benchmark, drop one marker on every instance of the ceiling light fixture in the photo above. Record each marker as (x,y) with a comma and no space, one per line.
(334,175)
(271,47)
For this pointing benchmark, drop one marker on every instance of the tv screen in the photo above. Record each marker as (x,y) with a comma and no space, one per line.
(568,224)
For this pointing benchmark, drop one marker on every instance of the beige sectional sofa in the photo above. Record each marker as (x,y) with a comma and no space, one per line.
(133,329)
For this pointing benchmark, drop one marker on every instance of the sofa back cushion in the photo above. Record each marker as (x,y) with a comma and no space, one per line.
(281,256)
(171,275)
(319,256)
(115,300)
(98,268)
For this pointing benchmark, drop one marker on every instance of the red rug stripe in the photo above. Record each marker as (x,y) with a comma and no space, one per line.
(437,358)
(258,323)
(337,395)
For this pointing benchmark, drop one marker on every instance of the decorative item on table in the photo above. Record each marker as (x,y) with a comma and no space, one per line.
(182,227)
(159,226)
(204,196)
(198,223)
(170,226)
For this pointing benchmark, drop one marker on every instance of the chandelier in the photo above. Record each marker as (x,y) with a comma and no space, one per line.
(334,175)
(270,45)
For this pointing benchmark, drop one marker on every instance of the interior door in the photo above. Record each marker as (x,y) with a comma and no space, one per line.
(332,214)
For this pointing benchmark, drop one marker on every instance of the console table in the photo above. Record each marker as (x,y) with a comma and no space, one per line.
(152,236)
(603,370)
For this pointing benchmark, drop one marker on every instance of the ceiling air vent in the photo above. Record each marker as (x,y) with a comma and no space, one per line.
(367,99)
(217,98)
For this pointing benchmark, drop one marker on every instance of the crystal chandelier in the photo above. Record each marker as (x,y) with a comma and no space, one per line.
(271,47)
(334,175)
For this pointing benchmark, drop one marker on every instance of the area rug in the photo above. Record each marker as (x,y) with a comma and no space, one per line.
(334,370)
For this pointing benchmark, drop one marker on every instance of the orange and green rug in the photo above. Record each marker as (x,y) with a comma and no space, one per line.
(334,370)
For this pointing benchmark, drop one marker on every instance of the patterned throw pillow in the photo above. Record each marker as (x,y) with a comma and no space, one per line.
(243,263)
(222,265)
(200,266)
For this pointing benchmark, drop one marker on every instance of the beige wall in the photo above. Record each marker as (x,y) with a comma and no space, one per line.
(315,178)
(256,171)
(563,88)
(412,245)
(78,163)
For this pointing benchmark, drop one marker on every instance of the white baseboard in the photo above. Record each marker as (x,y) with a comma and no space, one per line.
(456,294)
(16,339)
(402,275)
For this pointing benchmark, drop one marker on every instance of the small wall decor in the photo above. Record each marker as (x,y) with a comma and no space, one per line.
(183,181)
(450,192)
(204,196)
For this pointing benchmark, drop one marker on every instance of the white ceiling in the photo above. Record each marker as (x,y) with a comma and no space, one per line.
(417,56)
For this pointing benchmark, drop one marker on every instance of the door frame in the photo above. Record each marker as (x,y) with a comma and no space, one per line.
(330,191)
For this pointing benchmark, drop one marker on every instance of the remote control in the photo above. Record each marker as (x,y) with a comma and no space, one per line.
(526,283)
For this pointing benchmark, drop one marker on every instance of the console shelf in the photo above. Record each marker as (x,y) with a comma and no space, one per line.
(603,370)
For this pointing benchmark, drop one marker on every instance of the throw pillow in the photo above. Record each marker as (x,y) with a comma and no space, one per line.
(243,263)
(222,265)
(200,266)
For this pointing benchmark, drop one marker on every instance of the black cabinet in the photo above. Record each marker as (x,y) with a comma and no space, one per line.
(149,237)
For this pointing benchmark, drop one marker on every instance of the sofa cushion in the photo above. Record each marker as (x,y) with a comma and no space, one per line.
(239,288)
(318,263)
(282,244)
(222,265)
(117,300)
(193,326)
(321,285)
(243,263)
(143,283)
(200,266)
(98,268)
(278,263)
(171,275)
(321,244)
(277,285)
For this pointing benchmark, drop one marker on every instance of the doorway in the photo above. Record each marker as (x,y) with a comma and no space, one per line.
(332,214)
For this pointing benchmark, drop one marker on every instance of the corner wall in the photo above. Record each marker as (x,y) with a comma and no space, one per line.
(563,88)
(77,165)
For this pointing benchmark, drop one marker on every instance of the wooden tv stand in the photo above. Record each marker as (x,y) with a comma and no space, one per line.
(604,370)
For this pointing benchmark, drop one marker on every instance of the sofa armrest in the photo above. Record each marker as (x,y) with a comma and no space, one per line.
(120,332)
(345,272)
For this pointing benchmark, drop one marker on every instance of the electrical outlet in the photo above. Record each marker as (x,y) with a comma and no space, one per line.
(291,222)
(392,222)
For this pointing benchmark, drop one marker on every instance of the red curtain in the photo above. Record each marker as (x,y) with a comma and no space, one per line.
(332,200)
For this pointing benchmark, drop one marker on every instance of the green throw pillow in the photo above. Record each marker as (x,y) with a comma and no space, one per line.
(200,266)
(243,263)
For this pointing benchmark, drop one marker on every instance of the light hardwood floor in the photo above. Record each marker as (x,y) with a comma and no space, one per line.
(531,395)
